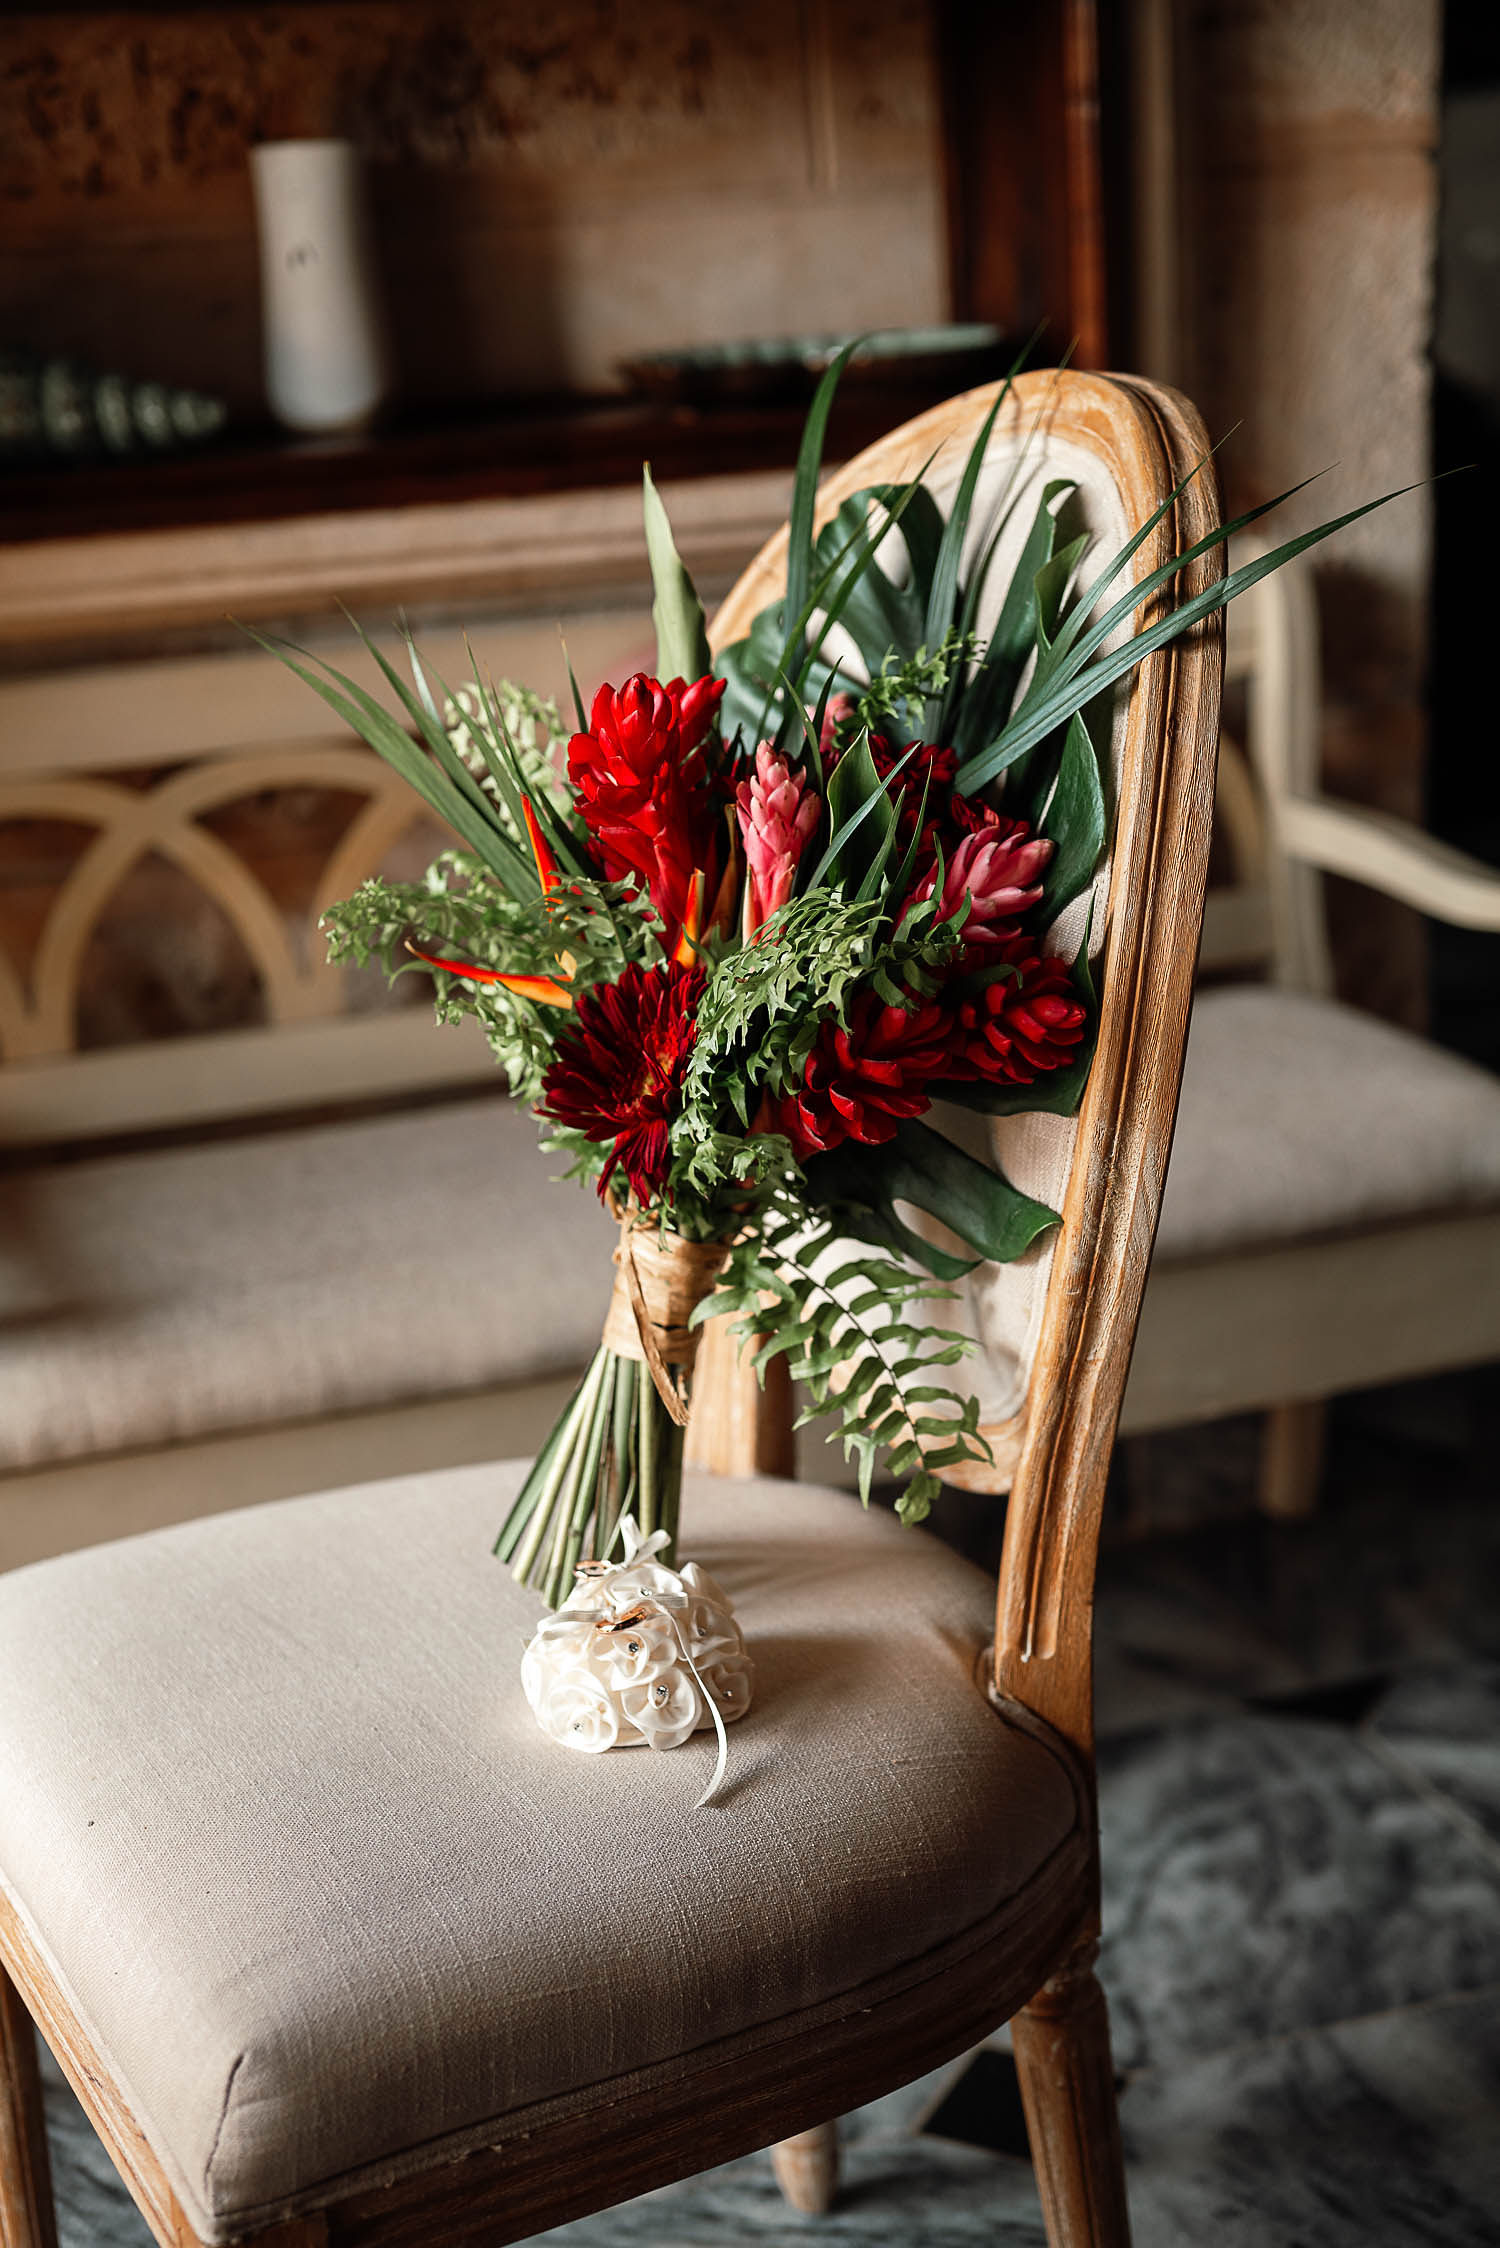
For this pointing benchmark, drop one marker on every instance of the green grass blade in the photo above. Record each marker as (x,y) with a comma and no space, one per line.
(946,606)
(578,710)
(811,728)
(986,702)
(677,613)
(1033,772)
(1111,569)
(495,745)
(795,659)
(884,613)
(422,709)
(901,881)
(874,881)
(1031,723)
(794,653)
(833,611)
(429,726)
(503,759)
(942,598)
(523,877)
(799,553)
(1081,643)
(859,551)
(375,726)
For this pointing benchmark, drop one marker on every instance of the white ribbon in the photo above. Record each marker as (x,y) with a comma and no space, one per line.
(713,1711)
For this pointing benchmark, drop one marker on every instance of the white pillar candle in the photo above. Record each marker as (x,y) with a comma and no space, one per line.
(325,357)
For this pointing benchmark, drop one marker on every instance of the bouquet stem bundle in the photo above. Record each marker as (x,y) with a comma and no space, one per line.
(617,1448)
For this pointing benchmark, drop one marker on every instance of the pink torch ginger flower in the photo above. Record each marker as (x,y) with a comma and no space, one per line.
(837,711)
(778,813)
(997,868)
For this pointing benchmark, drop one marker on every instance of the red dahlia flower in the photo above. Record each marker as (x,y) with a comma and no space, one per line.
(859,1083)
(930,760)
(618,1066)
(997,868)
(1021,1025)
(646,792)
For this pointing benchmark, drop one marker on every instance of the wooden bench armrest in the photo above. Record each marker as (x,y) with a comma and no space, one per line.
(1389,854)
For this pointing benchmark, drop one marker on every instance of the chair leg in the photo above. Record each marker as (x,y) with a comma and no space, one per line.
(1061,2043)
(27,2218)
(1291,1459)
(807,2169)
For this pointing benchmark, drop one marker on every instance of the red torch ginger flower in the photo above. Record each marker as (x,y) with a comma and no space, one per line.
(635,729)
(618,1067)
(1019,1026)
(697,708)
(777,813)
(861,1082)
(997,868)
(647,795)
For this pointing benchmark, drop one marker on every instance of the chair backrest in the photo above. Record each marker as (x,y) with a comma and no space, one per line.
(1270,914)
(1057,1327)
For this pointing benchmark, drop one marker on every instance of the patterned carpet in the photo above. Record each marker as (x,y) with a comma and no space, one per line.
(1300,1801)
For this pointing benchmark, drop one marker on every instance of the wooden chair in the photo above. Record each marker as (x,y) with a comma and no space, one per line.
(1332,1218)
(335,1948)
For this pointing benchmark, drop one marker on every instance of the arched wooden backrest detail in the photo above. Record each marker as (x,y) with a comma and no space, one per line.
(39,1021)
(1146,439)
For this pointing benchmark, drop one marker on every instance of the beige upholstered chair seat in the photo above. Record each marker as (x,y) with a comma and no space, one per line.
(1302,1117)
(148,1298)
(273,1810)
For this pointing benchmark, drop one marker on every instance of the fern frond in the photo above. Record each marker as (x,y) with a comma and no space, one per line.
(845,1337)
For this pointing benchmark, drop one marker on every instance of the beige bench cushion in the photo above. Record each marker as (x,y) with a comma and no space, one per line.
(272,1804)
(152,1297)
(1301,1117)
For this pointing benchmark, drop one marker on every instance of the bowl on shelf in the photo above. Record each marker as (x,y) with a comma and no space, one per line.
(771,370)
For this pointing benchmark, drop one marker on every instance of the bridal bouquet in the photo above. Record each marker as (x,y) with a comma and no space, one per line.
(733,932)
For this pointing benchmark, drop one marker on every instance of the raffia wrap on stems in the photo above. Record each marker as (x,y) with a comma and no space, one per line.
(660,1280)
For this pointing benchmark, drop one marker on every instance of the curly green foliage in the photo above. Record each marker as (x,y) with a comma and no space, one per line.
(720,1168)
(460,909)
(895,700)
(846,1338)
(584,1158)
(766,1003)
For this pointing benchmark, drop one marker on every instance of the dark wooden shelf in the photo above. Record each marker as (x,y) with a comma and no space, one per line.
(262,475)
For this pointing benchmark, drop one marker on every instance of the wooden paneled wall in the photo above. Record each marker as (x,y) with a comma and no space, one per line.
(555,189)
